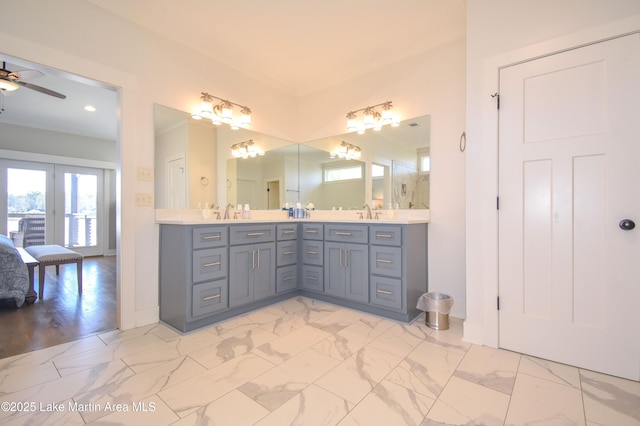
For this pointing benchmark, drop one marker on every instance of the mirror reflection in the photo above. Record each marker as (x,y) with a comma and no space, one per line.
(395,163)
(194,166)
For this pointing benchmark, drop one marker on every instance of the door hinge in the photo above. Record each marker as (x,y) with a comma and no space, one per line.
(497,203)
(498,302)
(497,96)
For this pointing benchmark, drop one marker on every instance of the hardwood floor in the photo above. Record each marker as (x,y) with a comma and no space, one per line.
(62,316)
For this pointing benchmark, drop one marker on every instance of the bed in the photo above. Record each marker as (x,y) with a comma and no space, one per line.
(14,278)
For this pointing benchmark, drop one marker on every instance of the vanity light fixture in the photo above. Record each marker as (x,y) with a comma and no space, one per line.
(347,151)
(245,149)
(222,112)
(372,118)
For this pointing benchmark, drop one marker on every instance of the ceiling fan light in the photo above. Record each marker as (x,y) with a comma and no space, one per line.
(8,85)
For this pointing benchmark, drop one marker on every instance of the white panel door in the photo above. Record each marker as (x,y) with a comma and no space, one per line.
(569,173)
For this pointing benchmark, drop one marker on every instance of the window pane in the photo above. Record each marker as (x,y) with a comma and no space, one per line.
(26,191)
(377,170)
(425,163)
(80,206)
(343,173)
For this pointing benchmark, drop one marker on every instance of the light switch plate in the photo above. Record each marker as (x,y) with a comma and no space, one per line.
(144,199)
(145,174)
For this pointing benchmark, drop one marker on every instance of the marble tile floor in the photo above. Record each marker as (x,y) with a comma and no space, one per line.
(303,362)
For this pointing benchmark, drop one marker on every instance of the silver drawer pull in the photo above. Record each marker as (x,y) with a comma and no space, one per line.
(211,237)
(204,299)
(254,234)
(311,278)
(384,261)
(288,252)
(384,236)
(311,231)
(288,278)
(344,233)
(384,292)
(312,252)
(289,232)
(207,265)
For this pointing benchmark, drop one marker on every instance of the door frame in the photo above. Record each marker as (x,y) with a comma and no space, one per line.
(482,326)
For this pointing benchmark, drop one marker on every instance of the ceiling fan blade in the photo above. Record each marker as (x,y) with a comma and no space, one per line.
(41,89)
(28,74)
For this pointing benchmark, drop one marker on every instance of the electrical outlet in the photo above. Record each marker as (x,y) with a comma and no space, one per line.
(144,199)
(145,174)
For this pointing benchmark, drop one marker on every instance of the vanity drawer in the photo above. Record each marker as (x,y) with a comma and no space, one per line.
(287,253)
(385,235)
(210,236)
(386,261)
(312,252)
(209,297)
(210,264)
(287,232)
(312,231)
(286,278)
(251,234)
(347,233)
(386,292)
(312,278)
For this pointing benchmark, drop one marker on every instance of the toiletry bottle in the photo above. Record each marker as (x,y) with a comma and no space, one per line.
(206,212)
(246,212)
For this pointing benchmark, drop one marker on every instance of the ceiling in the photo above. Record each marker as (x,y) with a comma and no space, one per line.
(298,46)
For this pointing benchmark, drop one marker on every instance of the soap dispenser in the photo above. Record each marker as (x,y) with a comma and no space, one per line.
(206,212)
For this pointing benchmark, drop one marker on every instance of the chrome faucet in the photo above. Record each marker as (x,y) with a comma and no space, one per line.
(226,211)
(366,206)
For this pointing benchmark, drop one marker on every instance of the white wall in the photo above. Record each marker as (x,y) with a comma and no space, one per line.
(80,38)
(502,32)
(430,84)
(29,139)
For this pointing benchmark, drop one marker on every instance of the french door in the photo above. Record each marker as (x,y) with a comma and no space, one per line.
(66,203)
(79,209)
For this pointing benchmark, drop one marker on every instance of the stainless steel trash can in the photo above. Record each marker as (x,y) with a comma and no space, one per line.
(437,307)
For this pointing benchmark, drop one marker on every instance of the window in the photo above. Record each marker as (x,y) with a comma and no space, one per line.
(377,171)
(342,173)
(425,163)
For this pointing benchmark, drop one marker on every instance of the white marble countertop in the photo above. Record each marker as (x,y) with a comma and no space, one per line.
(195,217)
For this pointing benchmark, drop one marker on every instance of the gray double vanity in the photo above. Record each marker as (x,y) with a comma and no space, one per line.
(215,270)
(218,265)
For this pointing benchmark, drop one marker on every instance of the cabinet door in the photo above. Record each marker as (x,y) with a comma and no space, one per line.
(264,272)
(356,260)
(334,269)
(241,265)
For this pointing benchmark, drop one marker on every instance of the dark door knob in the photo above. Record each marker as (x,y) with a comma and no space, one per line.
(627,224)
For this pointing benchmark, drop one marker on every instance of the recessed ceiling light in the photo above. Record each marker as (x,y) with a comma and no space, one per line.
(90,108)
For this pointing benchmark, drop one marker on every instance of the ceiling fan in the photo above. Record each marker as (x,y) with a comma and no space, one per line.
(12,80)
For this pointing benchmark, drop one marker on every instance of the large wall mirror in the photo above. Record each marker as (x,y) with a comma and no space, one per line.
(194,166)
(392,169)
